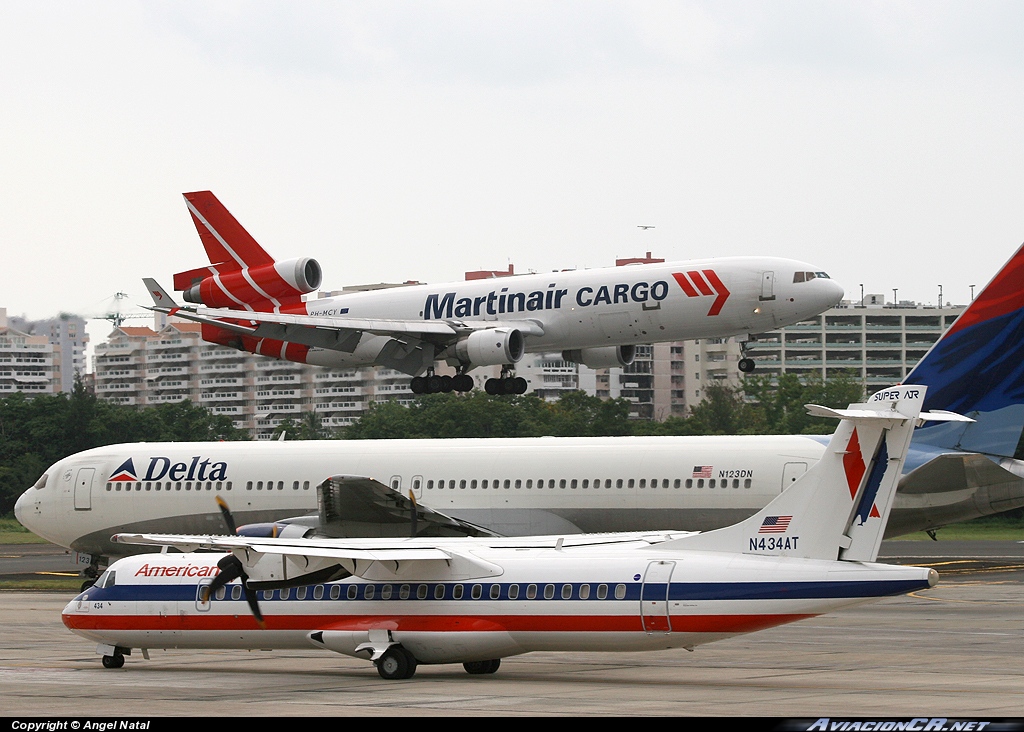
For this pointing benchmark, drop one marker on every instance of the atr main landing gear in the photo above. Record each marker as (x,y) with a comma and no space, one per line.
(482,667)
(396,663)
(507,384)
(434,384)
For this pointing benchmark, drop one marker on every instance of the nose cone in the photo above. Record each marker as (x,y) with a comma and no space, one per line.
(22,510)
(832,292)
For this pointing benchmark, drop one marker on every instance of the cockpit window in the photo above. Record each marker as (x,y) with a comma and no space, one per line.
(799,276)
(105,580)
(808,276)
(41,483)
(822,275)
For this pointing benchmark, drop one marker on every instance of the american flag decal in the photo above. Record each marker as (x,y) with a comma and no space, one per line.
(775,525)
(702,471)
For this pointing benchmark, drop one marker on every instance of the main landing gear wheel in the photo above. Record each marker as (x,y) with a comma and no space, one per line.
(482,667)
(434,384)
(511,385)
(115,661)
(396,663)
(747,365)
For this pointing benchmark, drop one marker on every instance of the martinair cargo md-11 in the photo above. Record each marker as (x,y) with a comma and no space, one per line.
(249,301)
(404,602)
(532,486)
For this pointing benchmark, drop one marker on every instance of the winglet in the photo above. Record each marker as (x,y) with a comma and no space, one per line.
(162,302)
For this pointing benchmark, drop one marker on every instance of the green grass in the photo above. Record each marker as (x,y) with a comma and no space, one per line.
(994,528)
(11,532)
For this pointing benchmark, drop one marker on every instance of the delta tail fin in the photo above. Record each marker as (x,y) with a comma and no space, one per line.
(839,508)
(977,368)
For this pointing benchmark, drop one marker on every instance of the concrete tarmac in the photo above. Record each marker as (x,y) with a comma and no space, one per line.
(954,650)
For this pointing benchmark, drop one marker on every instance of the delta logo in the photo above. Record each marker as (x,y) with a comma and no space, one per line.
(161,467)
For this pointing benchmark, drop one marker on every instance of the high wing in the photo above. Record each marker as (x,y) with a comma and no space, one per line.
(347,499)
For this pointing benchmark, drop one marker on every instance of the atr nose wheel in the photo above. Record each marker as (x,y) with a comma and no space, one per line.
(746,365)
(115,661)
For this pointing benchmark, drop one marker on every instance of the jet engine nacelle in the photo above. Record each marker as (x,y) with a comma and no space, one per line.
(285,280)
(602,358)
(491,347)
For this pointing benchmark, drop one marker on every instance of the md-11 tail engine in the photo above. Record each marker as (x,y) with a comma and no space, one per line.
(282,281)
(602,358)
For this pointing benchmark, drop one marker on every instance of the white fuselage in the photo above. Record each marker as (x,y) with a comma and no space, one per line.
(538,595)
(517,487)
(600,307)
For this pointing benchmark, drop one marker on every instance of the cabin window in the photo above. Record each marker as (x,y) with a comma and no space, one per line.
(483,484)
(746,483)
(602,592)
(228,486)
(286,593)
(676,484)
(513,592)
(403,592)
(416,483)
(149,486)
(631,482)
(248,485)
(259,485)
(711,483)
(353,592)
(421,592)
(318,592)
(508,483)
(295,485)
(430,485)
(531,592)
(561,483)
(219,485)
(300,594)
(462,485)
(368,592)
(566,592)
(573,484)
(335,592)
(472,485)
(438,592)
(478,592)
(700,482)
(584,592)
(586,483)
(620,592)
(549,592)
(305,485)
(280,485)
(618,483)
(495,592)
(385,592)
(529,483)
(457,592)
(267,594)
(643,482)
(236,592)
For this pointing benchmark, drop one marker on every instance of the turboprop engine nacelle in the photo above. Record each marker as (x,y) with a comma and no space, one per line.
(491,347)
(602,358)
(279,280)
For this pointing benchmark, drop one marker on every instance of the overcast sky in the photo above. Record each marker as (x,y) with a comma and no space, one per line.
(403,140)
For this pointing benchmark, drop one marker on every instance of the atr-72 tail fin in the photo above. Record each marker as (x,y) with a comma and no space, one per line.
(839,508)
(977,369)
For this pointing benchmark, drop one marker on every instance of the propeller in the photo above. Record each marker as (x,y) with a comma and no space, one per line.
(231,568)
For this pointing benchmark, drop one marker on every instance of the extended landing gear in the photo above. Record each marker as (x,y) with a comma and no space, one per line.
(746,364)
(482,667)
(396,663)
(506,384)
(434,384)
(115,661)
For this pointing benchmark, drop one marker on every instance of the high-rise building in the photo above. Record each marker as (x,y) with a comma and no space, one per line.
(28,363)
(67,334)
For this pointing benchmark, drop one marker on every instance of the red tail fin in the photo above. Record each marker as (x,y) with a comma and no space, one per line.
(225,240)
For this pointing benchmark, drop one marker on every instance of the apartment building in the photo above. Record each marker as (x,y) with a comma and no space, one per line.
(29,363)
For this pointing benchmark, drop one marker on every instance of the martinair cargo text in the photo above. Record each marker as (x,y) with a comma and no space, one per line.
(249,301)
(954,472)
(404,602)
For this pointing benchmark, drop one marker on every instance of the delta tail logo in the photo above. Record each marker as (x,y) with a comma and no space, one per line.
(125,472)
